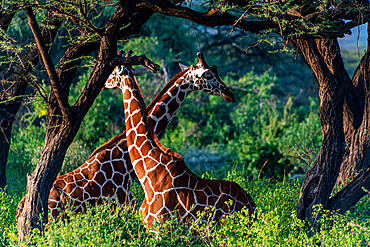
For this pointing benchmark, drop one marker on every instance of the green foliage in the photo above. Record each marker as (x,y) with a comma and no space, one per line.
(294,19)
(100,226)
(8,205)
(258,132)
(109,225)
(175,44)
(104,119)
(26,146)
(275,224)
(267,129)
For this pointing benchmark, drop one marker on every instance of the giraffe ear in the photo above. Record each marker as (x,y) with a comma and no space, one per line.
(183,67)
(139,71)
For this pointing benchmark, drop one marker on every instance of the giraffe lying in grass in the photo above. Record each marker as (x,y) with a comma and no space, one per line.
(108,173)
(168,184)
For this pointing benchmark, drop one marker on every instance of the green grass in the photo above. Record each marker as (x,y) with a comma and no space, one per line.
(276,224)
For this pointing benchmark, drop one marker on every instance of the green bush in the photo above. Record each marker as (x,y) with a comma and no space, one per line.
(276,223)
(109,225)
(25,149)
(271,136)
(8,205)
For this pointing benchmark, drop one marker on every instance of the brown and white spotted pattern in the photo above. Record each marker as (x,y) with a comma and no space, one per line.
(108,173)
(168,184)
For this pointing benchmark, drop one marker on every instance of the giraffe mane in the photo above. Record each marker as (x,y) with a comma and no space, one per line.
(109,143)
(116,139)
(166,149)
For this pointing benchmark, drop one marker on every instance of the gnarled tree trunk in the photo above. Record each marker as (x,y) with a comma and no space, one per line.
(323,57)
(64,120)
(343,119)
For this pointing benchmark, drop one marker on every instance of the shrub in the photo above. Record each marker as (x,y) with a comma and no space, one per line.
(8,205)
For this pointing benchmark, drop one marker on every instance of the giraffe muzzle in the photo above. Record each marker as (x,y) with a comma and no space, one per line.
(228,96)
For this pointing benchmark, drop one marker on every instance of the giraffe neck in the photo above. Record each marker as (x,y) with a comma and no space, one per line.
(168,101)
(140,137)
(149,158)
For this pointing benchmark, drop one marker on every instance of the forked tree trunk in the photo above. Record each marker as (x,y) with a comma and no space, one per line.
(323,57)
(357,155)
(63,121)
(58,138)
(342,118)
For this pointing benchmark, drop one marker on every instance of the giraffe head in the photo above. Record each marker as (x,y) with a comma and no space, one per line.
(206,79)
(119,73)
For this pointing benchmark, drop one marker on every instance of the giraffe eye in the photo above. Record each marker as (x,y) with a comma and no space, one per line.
(209,76)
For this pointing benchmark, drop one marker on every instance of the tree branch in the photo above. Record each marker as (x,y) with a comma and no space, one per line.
(351,194)
(6,16)
(136,60)
(54,79)
(345,27)
(211,18)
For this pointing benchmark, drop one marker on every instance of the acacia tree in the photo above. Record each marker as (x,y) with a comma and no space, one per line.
(63,119)
(310,27)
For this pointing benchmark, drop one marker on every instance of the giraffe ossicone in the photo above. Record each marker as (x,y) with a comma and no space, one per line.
(169,185)
(108,173)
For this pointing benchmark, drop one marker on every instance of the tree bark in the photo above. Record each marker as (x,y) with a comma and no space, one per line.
(323,56)
(40,181)
(357,155)
(351,194)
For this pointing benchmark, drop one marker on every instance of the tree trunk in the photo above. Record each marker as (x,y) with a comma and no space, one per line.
(351,194)
(357,155)
(59,136)
(40,181)
(323,57)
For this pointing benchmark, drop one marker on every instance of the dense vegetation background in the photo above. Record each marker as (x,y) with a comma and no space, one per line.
(264,141)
